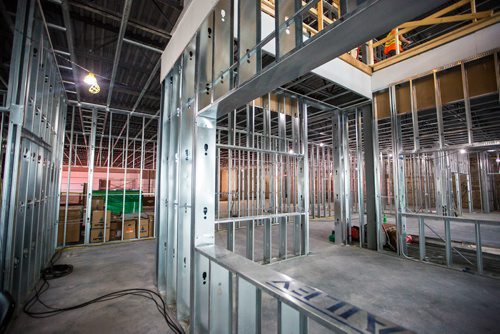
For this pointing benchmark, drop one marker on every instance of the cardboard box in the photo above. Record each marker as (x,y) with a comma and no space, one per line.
(144,227)
(151,220)
(116,229)
(74,213)
(98,218)
(115,235)
(129,229)
(98,203)
(96,234)
(72,233)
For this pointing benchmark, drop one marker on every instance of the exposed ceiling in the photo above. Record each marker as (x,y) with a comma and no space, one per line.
(120,41)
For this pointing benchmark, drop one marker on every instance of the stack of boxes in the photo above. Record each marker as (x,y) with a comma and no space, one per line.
(73,227)
(97,232)
(128,224)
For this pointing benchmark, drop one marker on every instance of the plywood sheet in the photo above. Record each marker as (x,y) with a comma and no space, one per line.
(382,104)
(450,85)
(481,76)
(403,98)
(426,98)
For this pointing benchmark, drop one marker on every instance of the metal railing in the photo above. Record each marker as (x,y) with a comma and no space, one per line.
(447,221)
(233,289)
(283,221)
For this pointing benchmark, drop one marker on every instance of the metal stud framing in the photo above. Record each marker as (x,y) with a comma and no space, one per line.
(36,114)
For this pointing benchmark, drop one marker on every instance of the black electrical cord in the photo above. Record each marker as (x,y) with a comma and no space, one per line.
(59,270)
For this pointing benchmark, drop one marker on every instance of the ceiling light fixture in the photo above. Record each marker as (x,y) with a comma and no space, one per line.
(92,81)
(463,151)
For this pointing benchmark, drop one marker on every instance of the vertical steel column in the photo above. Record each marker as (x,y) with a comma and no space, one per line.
(110,145)
(161,199)
(18,76)
(231,141)
(139,220)
(59,139)
(421,238)
(439,111)
(339,188)
(185,180)
(372,177)
(313,183)
(484,179)
(303,178)
(282,147)
(497,72)
(448,247)
(360,178)
(468,116)
(267,254)
(458,193)
(90,177)
(347,178)
(318,182)
(414,117)
(479,248)
(125,166)
(399,179)
(68,183)
(330,179)
(323,179)
(250,110)
(203,223)
(469,188)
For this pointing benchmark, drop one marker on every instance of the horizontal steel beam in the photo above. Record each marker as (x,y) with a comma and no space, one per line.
(363,24)
(115,110)
(142,45)
(56,27)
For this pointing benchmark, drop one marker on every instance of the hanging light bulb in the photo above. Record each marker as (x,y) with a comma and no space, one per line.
(94,89)
(90,79)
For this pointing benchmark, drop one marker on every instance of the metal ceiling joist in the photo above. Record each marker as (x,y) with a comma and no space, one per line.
(141,95)
(123,27)
(148,83)
(142,45)
(112,16)
(69,40)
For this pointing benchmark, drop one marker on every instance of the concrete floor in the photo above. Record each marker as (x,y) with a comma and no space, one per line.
(99,270)
(421,297)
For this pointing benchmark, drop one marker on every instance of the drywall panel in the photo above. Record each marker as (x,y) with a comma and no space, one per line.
(463,48)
